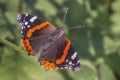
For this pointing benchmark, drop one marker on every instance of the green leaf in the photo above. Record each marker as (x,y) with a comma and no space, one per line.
(105,72)
(113,61)
(86,72)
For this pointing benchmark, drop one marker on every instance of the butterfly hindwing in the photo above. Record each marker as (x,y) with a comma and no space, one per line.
(62,55)
(68,57)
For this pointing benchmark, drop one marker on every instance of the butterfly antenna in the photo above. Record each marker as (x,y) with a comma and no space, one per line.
(76,27)
(66,11)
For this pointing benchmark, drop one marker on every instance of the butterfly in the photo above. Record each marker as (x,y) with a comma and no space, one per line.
(40,36)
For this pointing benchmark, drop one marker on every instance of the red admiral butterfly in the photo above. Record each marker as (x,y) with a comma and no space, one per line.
(40,36)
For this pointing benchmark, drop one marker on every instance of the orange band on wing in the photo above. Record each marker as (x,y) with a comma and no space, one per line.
(27,46)
(48,65)
(65,52)
(38,27)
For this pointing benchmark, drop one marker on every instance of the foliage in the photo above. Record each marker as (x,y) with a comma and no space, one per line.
(97,43)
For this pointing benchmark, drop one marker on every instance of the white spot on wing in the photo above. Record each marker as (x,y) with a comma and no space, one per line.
(69,68)
(18,15)
(33,18)
(21,24)
(61,68)
(26,23)
(28,26)
(65,67)
(78,61)
(74,56)
(22,27)
(70,62)
(77,68)
(26,14)
(66,60)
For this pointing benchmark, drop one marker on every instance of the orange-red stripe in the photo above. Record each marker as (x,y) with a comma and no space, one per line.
(38,27)
(27,46)
(65,52)
(48,65)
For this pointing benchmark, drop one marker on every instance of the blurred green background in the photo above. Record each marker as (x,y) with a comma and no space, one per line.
(98,43)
